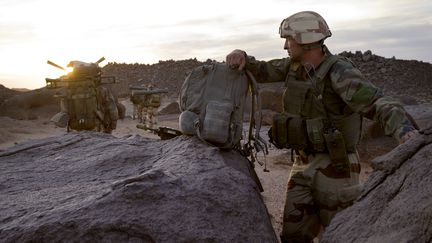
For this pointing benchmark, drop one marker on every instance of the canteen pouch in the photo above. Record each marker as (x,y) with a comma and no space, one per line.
(216,124)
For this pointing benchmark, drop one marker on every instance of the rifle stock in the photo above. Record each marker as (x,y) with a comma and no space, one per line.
(163,132)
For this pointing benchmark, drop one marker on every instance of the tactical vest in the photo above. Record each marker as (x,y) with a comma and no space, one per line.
(305,115)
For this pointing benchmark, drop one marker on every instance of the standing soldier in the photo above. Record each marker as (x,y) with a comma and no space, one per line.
(324,101)
(151,104)
(137,99)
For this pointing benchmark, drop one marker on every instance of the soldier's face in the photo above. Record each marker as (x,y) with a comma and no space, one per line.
(295,51)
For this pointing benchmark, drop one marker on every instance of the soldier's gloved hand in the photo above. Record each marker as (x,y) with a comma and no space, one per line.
(236,59)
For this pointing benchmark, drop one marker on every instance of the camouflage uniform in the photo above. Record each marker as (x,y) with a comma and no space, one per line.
(150,109)
(138,104)
(145,106)
(316,189)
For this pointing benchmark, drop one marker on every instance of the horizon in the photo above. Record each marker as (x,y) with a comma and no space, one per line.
(136,32)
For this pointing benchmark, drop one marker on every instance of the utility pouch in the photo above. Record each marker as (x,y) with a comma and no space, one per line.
(337,150)
(315,131)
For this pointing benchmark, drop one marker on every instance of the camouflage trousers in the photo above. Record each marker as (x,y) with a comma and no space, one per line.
(149,116)
(316,192)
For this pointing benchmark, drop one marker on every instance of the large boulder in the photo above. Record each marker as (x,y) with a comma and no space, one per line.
(170,108)
(93,187)
(395,204)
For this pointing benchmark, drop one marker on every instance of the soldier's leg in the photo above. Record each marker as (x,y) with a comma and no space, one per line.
(154,115)
(139,113)
(151,116)
(144,115)
(300,219)
(334,190)
(134,112)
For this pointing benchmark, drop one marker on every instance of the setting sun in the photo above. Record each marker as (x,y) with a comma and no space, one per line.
(140,32)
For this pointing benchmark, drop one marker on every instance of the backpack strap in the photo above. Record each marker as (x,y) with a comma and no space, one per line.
(259,144)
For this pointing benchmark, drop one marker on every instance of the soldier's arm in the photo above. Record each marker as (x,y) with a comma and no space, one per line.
(268,71)
(112,106)
(263,71)
(365,98)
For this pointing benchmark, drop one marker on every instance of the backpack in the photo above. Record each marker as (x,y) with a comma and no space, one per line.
(83,108)
(212,100)
(154,100)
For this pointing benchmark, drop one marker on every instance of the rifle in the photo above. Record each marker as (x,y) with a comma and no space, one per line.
(163,132)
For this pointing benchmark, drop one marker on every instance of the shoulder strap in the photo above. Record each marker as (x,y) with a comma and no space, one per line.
(259,144)
(292,72)
(322,72)
(318,78)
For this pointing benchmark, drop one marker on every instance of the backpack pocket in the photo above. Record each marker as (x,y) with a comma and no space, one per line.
(188,122)
(217,120)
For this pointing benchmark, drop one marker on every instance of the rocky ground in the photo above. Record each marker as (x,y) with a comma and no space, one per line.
(24,117)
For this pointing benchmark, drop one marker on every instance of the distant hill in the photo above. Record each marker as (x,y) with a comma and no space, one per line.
(404,79)
(21,89)
(409,80)
(6,93)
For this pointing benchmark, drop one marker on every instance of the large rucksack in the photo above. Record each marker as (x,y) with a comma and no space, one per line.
(82,106)
(212,101)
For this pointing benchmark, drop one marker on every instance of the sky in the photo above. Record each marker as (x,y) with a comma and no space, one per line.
(141,31)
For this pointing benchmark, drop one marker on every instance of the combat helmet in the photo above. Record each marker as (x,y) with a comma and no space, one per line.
(305,27)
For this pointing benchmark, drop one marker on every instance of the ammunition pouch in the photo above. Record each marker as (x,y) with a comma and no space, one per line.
(311,135)
(288,131)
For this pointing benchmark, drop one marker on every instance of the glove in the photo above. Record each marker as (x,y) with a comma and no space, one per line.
(236,59)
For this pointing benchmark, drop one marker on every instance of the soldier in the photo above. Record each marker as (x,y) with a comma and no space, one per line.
(151,104)
(137,100)
(324,101)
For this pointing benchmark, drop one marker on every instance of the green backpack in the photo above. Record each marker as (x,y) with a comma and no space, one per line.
(212,101)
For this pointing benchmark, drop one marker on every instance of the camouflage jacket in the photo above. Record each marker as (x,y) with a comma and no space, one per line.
(348,87)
